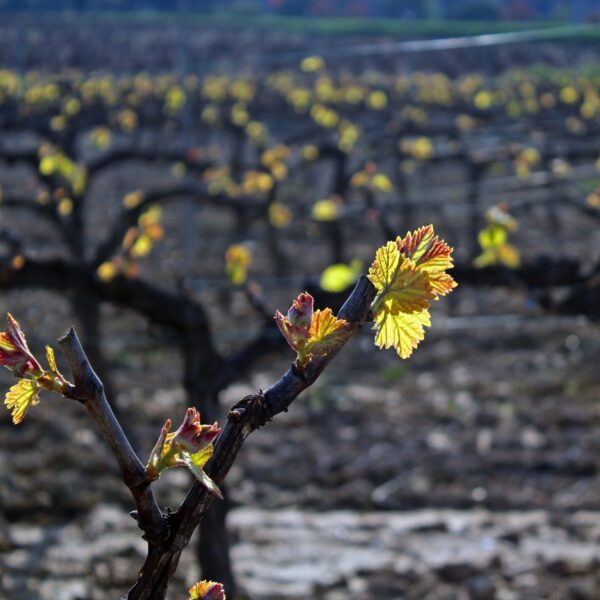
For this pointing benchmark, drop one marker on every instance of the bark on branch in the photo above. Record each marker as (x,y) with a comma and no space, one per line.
(247,415)
(88,390)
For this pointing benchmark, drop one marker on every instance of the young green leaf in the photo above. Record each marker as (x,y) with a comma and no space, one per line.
(402,331)
(51,359)
(326,333)
(340,276)
(493,240)
(408,274)
(195,463)
(190,446)
(311,333)
(20,397)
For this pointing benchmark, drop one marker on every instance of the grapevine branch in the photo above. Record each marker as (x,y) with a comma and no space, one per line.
(119,154)
(88,390)
(247,415)
(26,203)
(189,189)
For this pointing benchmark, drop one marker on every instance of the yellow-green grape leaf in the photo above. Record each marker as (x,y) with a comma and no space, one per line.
(152,215)
(65,207)
(382,182)
(20,397)
(432,255)
(51,359)
(53,379)
(133,199)
(493,236)
(408,274)
(485,259)
(325,210)
(312,63)
(107,271)
(48,165)
(190,446)
(400,285)
(509,255)
(141,247)
(326,333)
(237,260)
(280,215)
(402,331)
(422,149)
(339,277)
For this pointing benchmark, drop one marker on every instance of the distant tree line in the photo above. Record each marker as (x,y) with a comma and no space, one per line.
(476,10)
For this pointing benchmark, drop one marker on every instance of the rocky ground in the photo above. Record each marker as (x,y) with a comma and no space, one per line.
(469,472)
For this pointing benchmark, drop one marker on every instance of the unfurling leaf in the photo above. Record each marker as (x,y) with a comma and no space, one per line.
(408,274)
(52,379)
(195,466)
(493,240)
(20,397)
(311,333)
(326,333)
(14,353)
(296,324)
(492,236)
(207,590)
(190,446)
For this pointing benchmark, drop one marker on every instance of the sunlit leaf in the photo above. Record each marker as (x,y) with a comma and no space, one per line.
(65,207)
(325,210)
(237,260)
(142,246)
(312,63)
(402,286)
(401,331)
(485,259)
(339,277)
(20,397)
(51,359)
(432,255)
(201,476)
(107,271)
(279,215)
(133,199)
(326,333)
(492,236)
(509,255)
(408,274)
